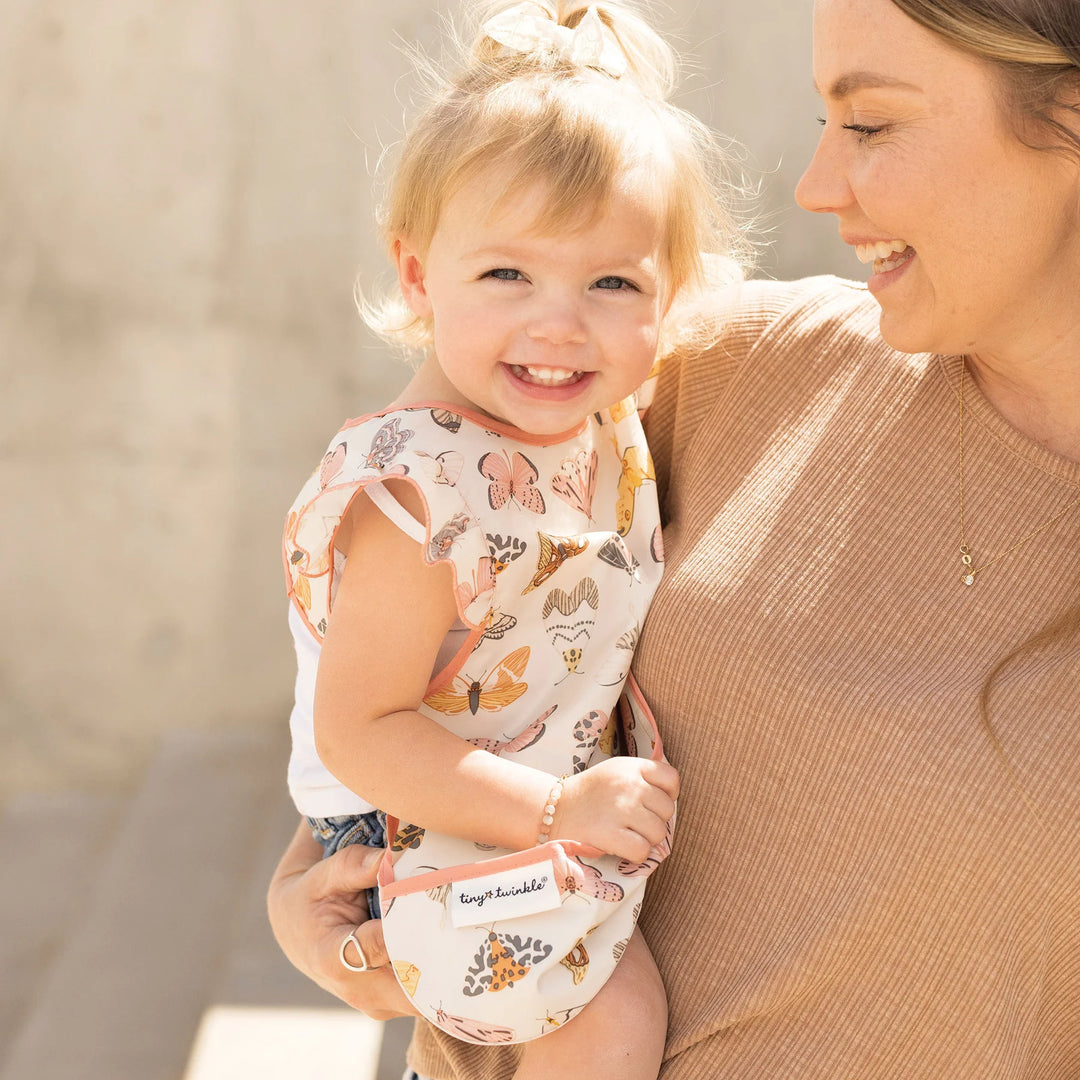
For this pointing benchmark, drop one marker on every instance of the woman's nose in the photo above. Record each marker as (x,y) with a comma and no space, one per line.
(823,187)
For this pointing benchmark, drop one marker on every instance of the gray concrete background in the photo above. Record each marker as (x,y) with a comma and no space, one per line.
(185,199)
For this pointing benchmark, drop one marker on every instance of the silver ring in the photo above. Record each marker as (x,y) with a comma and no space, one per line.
(364,965)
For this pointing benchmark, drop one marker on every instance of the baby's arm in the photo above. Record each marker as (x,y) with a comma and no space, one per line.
(391,613)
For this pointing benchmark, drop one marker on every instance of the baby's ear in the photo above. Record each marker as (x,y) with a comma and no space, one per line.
(410,272)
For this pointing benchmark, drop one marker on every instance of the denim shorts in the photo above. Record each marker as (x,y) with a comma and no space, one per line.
(334,833)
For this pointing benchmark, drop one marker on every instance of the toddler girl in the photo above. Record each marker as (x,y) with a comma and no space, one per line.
(470,567)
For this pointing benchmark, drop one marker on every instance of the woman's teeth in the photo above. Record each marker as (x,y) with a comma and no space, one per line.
(545,376)
(879,253)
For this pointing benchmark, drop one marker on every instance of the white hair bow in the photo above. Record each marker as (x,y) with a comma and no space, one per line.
(589,44)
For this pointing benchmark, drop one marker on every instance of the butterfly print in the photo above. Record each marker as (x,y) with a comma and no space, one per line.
(492,693)
(331,465)
(512,479)
(656,545)
(444,468)
(615,553)
(569,635)
(505,550)
(657,854)
(554,551)
(446,419)
(576,961)
(575,481)
(440,544)
(440,893)
(532,734)
(636,469)
(388,442)
(552,1022)
(579,878)
(476,1031)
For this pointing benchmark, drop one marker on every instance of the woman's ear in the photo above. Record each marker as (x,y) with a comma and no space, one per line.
(410,272)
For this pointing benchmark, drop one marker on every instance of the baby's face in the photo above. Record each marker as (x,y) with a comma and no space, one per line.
(539,328)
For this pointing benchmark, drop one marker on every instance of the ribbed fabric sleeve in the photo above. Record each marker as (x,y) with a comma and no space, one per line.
(868,882)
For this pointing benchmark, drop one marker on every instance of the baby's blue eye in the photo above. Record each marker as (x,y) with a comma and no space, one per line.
(613,282)
(504,273)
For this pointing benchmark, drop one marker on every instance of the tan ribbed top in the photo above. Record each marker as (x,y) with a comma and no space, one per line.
(863,887)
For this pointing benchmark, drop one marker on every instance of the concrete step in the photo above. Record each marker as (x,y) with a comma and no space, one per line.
(50,848)
(147,939)
(265,1019)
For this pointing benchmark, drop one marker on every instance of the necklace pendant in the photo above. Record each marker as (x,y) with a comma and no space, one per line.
(969,572)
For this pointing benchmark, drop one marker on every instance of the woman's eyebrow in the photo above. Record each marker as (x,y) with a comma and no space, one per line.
(848,83)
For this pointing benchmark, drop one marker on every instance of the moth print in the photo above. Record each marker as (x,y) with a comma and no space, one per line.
(622,409)
(615,553)
(408,975)
(616,666)
(407,836)
(451,421)
(492,692)
(444,468)
(482,580)
(554,551)
(532,734)
(495,627)
(575,481)
(331,465)
(569,621)
(475,1031)
(388,442)
(512,479)
(501,961)
(594,730)
(550,1022)
(636,469)
(656,545)
(576,961)
(504,550)
(577,878)
(656,856)
(440,544)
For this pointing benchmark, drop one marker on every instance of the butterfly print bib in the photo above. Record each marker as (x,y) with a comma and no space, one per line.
(556,554)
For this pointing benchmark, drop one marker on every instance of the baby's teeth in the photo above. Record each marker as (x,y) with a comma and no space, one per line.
(549,375)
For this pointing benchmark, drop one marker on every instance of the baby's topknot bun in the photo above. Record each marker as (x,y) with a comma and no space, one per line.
(561,33)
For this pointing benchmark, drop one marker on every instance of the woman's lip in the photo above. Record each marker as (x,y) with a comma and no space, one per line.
(882,279)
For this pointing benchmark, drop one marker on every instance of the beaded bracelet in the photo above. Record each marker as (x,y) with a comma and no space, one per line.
(554,795)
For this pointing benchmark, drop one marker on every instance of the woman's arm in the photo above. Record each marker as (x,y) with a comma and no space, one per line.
(391,612)
(313,903)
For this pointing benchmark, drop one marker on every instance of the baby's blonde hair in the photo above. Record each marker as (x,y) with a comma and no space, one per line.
(539,117)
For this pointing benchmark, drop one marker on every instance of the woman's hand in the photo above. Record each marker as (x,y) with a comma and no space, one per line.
(313,903)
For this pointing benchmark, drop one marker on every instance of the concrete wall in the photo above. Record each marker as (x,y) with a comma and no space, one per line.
(184,202)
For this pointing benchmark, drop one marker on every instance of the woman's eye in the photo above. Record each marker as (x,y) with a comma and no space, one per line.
(864,131)
(505,273)
(613,282)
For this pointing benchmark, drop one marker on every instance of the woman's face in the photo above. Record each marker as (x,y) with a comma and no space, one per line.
(974,237)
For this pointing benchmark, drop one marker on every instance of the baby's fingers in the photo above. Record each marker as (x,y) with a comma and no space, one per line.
(661,775)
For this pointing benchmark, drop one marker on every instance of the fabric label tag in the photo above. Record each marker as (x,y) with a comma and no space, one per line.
(507,895)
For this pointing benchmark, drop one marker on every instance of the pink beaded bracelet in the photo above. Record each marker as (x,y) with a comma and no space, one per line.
(554,795)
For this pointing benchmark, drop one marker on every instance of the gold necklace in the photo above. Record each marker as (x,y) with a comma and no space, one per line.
(970,570)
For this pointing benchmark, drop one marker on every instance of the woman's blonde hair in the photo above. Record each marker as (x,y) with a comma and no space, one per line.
(1034,47)
(537,116)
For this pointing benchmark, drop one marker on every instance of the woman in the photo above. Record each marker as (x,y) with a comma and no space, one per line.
(865,654)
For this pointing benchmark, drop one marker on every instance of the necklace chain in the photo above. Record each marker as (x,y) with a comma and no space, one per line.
(970,569)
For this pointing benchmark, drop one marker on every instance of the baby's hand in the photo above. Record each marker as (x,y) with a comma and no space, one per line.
(621,806)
